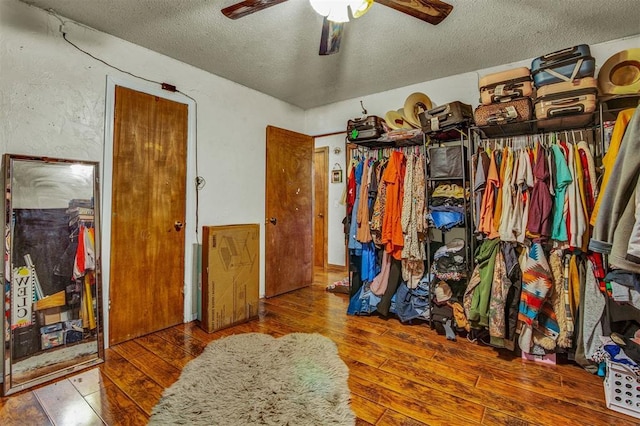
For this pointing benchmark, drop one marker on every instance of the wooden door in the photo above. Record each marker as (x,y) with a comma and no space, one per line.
(320,190)
(148,210)
(289,225)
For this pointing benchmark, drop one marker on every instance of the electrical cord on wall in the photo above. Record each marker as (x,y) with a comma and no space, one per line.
(199,181)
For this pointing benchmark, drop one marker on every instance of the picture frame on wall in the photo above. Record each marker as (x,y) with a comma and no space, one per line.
(336,176)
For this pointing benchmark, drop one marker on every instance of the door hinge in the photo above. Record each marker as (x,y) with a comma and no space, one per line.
(109,307)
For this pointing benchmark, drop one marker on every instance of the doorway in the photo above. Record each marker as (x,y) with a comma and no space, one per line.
(320,196)
(289,211)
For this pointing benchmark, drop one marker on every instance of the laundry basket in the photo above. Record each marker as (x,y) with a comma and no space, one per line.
(622,389)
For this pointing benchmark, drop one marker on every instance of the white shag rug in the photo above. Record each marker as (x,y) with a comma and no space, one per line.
(256,379)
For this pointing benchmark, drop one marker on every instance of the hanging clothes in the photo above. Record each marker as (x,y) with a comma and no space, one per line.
(478,314)
(501,188)
(614,228)
(536,284)
(413,251)
(508,194)
(392,236)
(353,243)
(363,230)
(608,161)
(560,204)
(577,219)
(560,300)
(538,222)
(379,204)
(480,181)
(487,225)
(523,178)
(351,185)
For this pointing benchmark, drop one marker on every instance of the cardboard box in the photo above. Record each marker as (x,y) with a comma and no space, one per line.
(230,275)
(49,316)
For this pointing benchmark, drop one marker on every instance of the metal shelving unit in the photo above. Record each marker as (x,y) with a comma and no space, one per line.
(458,137)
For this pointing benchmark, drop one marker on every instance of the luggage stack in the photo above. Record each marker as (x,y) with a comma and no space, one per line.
(566,87)
(506,98)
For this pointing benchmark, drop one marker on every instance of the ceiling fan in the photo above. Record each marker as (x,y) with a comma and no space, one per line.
(336,14)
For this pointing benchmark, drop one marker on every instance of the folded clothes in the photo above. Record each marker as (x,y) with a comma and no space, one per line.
(454,246)
(446,201)
(446,220)
(458,209)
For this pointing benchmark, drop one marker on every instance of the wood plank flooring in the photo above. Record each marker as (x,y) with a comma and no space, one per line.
(399,374)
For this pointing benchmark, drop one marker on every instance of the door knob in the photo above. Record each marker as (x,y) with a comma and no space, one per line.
(320,215)
(178,225)
(273,220)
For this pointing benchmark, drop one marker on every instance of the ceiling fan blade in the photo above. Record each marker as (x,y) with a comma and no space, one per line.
(330,37)
(248,7)
(431,11)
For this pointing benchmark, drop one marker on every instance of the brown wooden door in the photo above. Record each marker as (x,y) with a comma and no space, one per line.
(320,189)
(148,208)
(289,225)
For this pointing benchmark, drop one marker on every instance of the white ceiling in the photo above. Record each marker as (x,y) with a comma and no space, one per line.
(275,51)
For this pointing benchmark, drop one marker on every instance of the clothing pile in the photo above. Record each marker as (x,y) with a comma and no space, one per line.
(446,207)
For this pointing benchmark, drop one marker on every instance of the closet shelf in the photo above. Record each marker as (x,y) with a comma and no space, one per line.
(444,178)
(532,127)
(449,134)
(610,107)
(394,139)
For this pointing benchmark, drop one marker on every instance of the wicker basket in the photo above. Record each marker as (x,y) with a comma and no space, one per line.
(622,389)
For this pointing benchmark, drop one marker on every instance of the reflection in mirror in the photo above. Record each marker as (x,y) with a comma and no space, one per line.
(52,321)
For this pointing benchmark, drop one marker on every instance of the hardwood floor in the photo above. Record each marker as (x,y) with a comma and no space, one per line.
(399,374)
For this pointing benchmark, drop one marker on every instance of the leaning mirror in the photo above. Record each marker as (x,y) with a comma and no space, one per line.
(52,309)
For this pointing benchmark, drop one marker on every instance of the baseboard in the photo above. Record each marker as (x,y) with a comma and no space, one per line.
(336,268)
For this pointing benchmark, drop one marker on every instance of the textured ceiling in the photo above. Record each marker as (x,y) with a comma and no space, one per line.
(275,51)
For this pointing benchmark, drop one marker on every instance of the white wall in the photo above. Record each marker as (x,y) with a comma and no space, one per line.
(52,103)
(460,87)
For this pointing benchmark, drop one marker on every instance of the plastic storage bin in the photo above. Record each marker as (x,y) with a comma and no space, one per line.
(622,389)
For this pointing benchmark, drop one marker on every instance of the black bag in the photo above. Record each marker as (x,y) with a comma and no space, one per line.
(446,161)
(366,128)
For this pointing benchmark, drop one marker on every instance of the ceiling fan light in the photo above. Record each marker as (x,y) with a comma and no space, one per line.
(334,10)
(322,7)
(360,7)
(339,14)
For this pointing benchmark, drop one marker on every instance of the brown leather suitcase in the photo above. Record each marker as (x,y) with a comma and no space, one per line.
(446,117)
(505,86)
(365,128)
(514,111)
(567,98)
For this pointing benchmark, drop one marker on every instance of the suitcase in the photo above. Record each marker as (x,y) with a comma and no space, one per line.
(445,117)
(365,128)
(567,98)
(505,86)
(563,65)
(514,111)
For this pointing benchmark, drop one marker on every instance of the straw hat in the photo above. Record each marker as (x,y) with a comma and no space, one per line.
(414,105)
(620,74)
(395,120)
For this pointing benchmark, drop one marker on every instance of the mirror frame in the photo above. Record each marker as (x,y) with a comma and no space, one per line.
(49,371)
